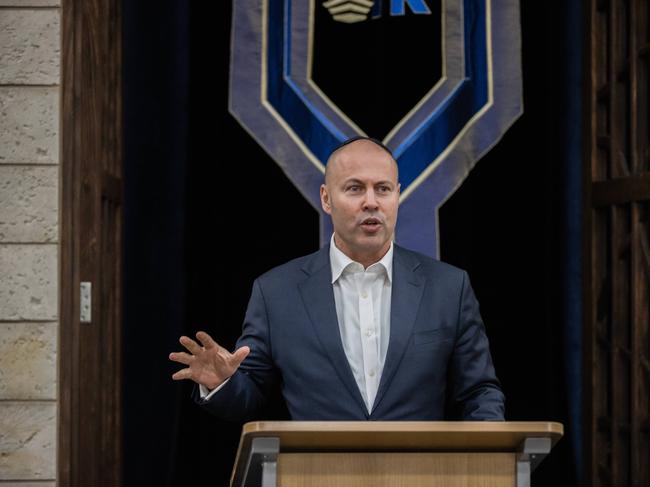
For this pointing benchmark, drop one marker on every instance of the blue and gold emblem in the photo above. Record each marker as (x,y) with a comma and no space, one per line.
(439,81)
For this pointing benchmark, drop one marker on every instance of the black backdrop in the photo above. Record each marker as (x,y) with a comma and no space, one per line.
(206,211)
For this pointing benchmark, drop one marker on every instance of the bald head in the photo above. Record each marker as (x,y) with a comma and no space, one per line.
(355,147)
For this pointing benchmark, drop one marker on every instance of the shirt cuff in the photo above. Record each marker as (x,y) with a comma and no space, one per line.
(206,393)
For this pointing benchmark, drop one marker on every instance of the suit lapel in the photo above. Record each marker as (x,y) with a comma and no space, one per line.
(318,298)
(406,294)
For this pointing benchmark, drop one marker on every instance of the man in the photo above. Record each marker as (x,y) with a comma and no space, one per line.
(360,330)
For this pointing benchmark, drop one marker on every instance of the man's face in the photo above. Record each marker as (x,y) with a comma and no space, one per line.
(361,193)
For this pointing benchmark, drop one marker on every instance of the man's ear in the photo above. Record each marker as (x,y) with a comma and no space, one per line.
(325,199)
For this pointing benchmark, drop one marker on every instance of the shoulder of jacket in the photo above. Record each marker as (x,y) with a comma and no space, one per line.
(428,265)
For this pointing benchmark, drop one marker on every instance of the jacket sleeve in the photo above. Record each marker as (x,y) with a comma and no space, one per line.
(247,391)
(475,391)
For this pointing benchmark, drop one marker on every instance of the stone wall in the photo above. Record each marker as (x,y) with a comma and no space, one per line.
(30,48)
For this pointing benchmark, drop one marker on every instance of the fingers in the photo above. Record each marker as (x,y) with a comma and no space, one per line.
(240,354)
(181,357)
(206,340)
(190,345)
(204,370)
(182,374)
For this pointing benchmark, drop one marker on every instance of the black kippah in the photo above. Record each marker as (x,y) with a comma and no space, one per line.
(361,137)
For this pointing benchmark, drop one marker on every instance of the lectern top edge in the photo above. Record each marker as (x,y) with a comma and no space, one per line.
(401,435)
(521,427)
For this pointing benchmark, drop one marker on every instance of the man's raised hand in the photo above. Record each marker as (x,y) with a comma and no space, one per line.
(208,364)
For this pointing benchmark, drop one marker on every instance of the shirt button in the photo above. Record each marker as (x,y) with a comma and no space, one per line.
(371,373)
(364,295)
(368,333)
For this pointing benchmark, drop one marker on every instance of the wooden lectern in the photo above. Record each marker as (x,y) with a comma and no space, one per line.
(404,454)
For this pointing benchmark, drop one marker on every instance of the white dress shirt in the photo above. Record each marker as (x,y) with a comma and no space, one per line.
(362,298)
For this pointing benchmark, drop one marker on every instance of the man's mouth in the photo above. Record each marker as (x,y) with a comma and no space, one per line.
(371,223)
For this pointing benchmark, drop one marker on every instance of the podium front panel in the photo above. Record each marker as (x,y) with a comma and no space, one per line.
(396,469)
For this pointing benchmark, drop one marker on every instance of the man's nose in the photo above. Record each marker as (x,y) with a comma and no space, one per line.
(370,201)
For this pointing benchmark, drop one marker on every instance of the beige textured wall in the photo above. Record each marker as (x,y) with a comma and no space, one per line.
(30,39)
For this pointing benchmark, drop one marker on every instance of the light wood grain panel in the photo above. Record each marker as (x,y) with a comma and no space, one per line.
(396,470)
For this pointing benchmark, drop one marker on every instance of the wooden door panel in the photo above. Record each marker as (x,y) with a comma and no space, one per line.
(617,201)
(91,248)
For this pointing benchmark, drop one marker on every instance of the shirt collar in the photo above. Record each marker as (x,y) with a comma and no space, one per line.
(339,262)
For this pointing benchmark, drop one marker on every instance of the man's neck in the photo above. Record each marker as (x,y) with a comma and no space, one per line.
(365,260)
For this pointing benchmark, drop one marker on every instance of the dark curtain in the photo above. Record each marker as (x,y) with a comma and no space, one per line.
(156,159)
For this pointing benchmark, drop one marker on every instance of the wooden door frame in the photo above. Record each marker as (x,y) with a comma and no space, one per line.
(616,196)
(91,139)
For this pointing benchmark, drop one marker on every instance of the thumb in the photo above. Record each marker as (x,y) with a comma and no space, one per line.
(240,354)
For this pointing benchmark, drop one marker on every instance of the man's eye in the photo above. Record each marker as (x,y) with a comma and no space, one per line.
(354,188)
(384,189)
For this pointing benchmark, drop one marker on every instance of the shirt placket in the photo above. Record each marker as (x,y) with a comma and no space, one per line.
(368,336)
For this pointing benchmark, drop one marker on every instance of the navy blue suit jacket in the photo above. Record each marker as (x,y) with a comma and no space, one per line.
(438,364)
